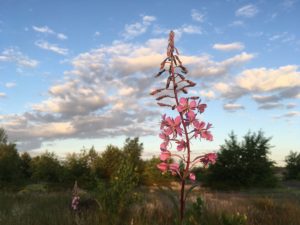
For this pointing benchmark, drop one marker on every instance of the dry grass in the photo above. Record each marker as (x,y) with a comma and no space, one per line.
(281,207)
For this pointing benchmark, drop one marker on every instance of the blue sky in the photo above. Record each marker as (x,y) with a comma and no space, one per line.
(78,73)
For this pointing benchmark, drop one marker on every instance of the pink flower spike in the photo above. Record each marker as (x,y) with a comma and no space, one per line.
(192,176)
(165,155)
(163,167)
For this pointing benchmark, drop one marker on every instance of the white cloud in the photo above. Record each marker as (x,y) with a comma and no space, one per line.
(262,79)
(231,107)
(235,46)
(197,16)
(237,23)
(97,34)
(62,36)
(205,67)
(247,11)
(16,56)
(43,29)
(207,94)
(138,28)
(288,115)
(2,95)
(47,30)
(51,47)
(188,29)
(10,84)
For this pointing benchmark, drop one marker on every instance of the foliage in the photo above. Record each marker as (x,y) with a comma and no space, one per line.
(109,161)
(120,192)
(10,163)
(243,164)
(154,209)
(46,168)
(293,166)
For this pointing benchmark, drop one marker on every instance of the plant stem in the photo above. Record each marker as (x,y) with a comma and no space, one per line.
(185,172)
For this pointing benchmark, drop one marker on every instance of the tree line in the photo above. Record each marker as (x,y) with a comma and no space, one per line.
(240,164)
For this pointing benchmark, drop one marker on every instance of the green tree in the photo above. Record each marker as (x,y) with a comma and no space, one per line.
(109,162)
(25,165)
(46,168)
(10,163)
(120,191)
(293,166)
(243,164)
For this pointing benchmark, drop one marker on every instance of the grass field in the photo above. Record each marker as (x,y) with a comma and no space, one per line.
(275,207)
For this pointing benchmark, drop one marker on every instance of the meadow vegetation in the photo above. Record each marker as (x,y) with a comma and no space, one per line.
(117,186)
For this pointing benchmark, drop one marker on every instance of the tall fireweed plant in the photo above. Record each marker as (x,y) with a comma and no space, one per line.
(180,130)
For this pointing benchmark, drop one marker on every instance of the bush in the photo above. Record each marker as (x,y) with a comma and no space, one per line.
(292,166)
(243,164)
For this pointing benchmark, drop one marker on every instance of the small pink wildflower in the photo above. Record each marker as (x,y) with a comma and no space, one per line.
(163,146)
(174,167)
(164,155)
(185,106)
(163,167)
(75,202)
(173,126)
(201,107)
(181,145)
(192,176)
(209,158)
(199,126)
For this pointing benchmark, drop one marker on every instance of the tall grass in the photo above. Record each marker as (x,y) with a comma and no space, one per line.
(155,208)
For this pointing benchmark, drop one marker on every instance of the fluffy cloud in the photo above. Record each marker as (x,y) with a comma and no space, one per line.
(138,28)
(263,79)
(247,11)
(205,67)
(47,30)
(235,46)
(51,47)
(2,95)
(16,56)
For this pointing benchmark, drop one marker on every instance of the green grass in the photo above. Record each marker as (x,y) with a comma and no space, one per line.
(278,207)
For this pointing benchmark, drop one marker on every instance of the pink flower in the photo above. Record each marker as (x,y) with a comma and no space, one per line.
(185,106)
(174,167)
(163,146)
(192,176)
(163,122)
(163,167)
(181,145)
(209,158)
(165,155)
(75,202)
(207,135)
(199,126)
(173,126)
(201,107)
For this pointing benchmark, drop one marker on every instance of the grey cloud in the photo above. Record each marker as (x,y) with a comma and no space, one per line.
(271,105)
